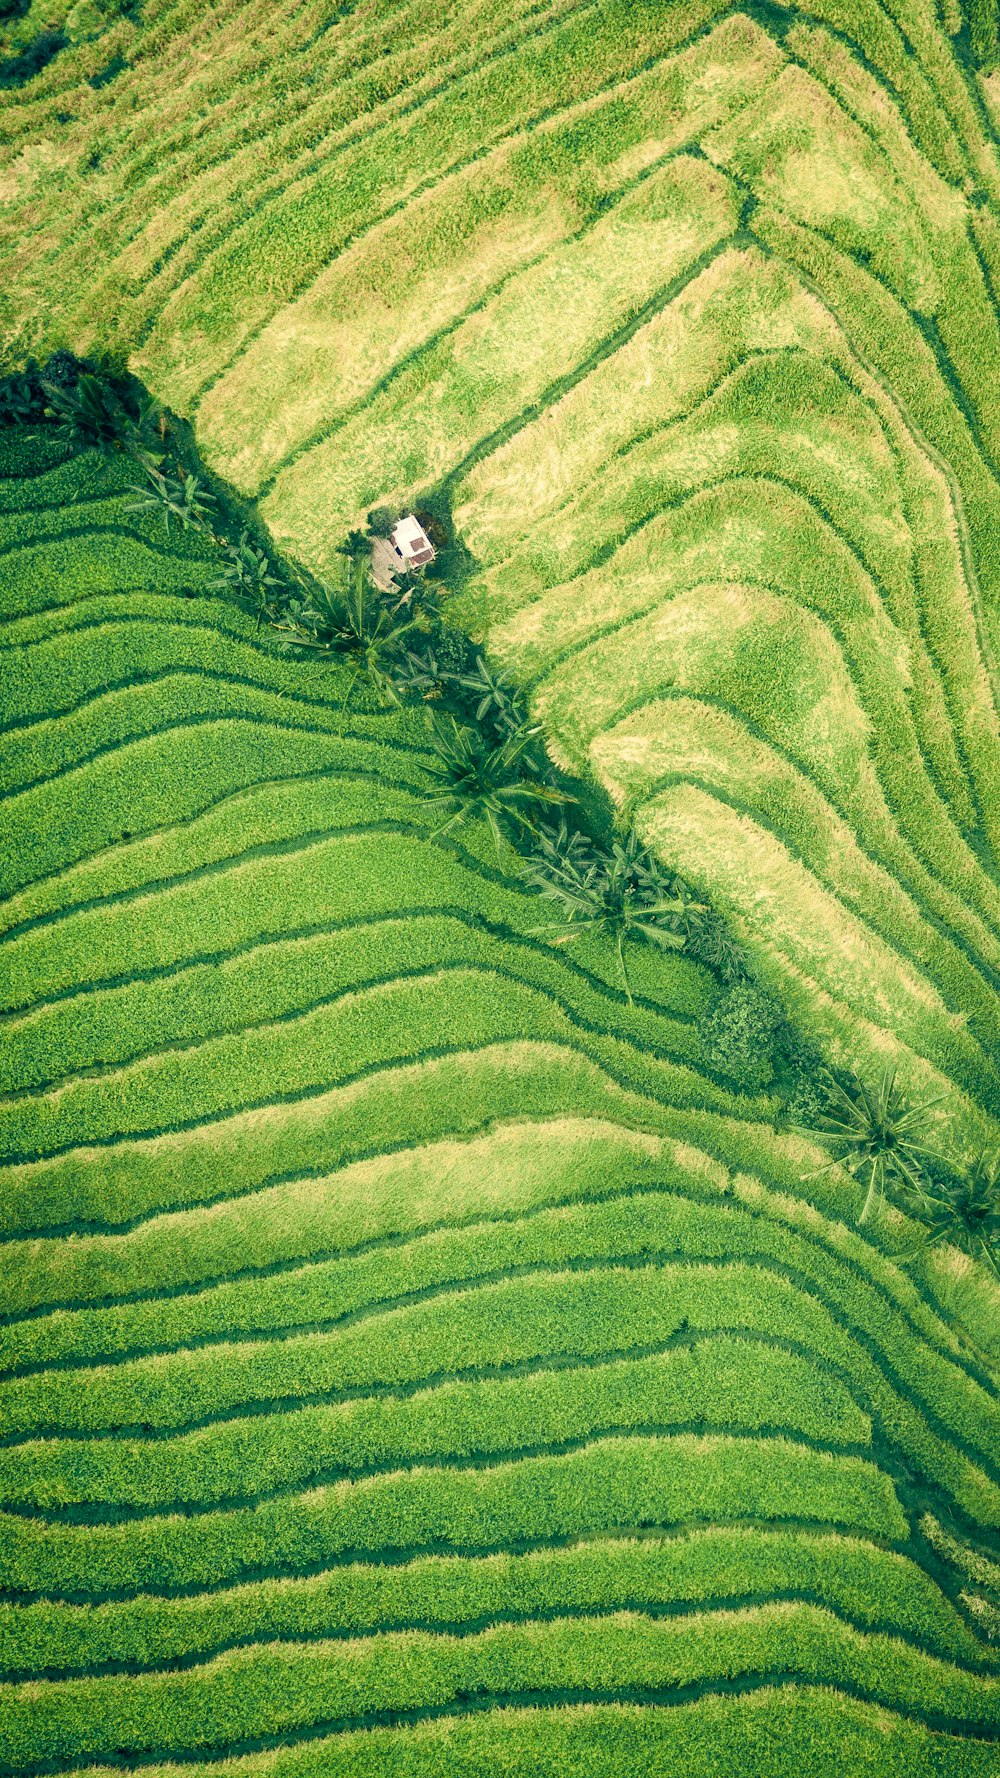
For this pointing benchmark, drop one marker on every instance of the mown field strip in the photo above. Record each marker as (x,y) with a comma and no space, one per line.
(344,365)
(323,211)
(678,738)
(681,211)
(196,220)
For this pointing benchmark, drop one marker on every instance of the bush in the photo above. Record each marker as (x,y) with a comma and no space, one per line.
(739,1036)
(382,521)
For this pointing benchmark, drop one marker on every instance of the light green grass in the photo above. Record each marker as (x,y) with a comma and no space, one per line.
(415,1358)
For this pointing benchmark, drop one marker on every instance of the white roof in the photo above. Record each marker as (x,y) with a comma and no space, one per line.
(410,538)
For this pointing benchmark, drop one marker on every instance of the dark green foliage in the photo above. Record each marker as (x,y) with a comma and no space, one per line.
(106,75)
(23,395)
(497,701)
(878,1137)
(89,415)
(800,1076)
(382,521)
(983,19)
(21,399)
(455,653)
(963,1208)
(17,70)
(497,782)
(183,498)
(355,547)
(354,620)
(739,1036)
(622,892)
(63,369)
(712,943)
(246,573)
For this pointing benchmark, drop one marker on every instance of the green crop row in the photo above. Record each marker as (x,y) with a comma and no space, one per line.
(226,877)
(725,1383)
(493,1326)
(416,1103)
(148,783)
(285,1686)
(447,1009)
(44,575)
(611,1483)
(106,510)
(84,475)
(57,660)
(136,714)
(715,1732)
(836,1312)
(577,1315)
(874,1588)
(747,417)
(918,106)
(271,812)
(26,456)
(636,1218)
(844,651)
(686,737)
(739,414)
(880,329)
(844,983)
(937,274)
(347,874)
(275,979)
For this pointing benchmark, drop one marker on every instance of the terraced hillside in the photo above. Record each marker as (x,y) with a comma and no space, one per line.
(414,1358)
(689,317)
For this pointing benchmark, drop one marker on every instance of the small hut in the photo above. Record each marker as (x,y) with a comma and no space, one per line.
(407,549)
(411,543)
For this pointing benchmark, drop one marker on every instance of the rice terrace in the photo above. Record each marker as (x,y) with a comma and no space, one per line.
(500,902)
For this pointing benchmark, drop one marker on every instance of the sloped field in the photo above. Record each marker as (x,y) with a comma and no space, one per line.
(398,1325)
(690,320)
(413,1357)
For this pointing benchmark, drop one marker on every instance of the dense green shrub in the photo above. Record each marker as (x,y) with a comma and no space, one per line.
(739,1034)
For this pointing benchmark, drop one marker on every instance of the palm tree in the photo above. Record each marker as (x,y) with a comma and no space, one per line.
(355,620)
(623,894)
(184,498)
(965,1211)
(246,573)
(474,778)
(878,1137)
(498,699)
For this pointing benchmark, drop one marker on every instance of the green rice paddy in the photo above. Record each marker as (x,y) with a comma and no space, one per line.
(418,1356)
